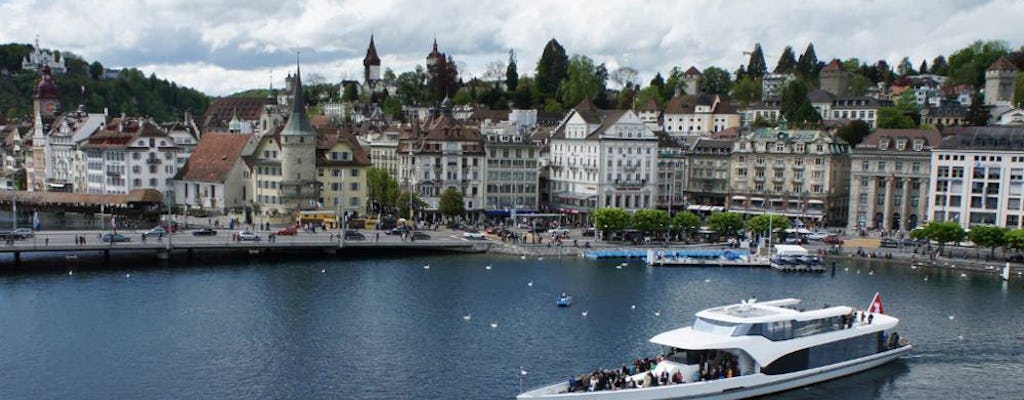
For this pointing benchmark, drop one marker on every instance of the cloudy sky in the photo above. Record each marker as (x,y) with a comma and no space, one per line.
(224,46)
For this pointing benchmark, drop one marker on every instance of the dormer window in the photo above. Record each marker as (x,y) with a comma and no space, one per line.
(918,144)
(883,144)
(901,144)
(780,147)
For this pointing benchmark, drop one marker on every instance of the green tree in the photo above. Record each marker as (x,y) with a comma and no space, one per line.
(968,64)
(674,83)
(652,221)
(523,97)
(796,106)
(942,232)
(807,66)
(451,204)
(411,87)
(726,223)
(382,189)
(939,66)
(511,72)
(923,69)
(96,70)
(905,67)
(854,132)
(977,112)
(747,90)
(349,94)
(893,118)
(756,67)
(859,85)
(407,199)
(647,94)
(608,220)
(787,62)
(1015,239)
(760,224)
(715,80)
(686,222)
(552,68)
(393,107)
(988,236)
(582,82)
(1018,90)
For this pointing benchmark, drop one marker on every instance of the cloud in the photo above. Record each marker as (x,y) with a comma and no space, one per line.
(223,46)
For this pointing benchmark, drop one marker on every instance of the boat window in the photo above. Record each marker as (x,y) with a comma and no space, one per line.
(826,354)
(714,327)
(807,328)
(778,330)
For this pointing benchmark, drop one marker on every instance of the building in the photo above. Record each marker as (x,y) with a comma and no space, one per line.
(1013,116)
(802,174)
(384,148)
(342,165)
(38,59)
(371,68)
(833,78)
(947,114)
(216,177)
(244,115)
(672,163)
(765,111)
(651,114)
(511,171)
(128,154)
(46,108)
(861,107)
(978,175)
(699,115)
(62,167)
(1000,81)
(707,174)
(773,84)
(890,178)
(443,154)
(691,80)
(603,158)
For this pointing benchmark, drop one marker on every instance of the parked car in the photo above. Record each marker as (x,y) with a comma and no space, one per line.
(420,236)
(156,232)
(816,236)
(914,242)
(288,231)
(114,238)
(204,232)
(354,235)
(398,230)
(833,239)
(889,242)
(559,232)
(474,235)
(248,236)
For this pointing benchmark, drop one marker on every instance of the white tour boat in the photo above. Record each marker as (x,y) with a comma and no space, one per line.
(745,350)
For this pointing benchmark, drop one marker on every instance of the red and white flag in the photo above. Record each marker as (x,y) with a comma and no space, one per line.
(876,304)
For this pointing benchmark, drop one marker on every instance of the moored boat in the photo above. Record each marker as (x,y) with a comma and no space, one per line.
(745,350)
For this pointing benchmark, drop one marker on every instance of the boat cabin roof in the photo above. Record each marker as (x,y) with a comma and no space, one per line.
(769,311)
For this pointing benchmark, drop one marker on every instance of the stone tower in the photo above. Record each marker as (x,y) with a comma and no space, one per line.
(371,64)
(691,81)
(999,82)
(834,79)
(45,106)
(299,186)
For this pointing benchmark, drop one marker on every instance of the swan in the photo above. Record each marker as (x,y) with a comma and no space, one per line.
(467,317)
(488,267)
(632,307)
(657,313)
(530,283)
(494,324)
(426,266)
(585,313)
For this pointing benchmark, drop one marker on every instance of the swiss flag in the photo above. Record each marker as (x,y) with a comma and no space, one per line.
(876,304)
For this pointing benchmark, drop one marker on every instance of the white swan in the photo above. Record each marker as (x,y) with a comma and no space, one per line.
(585,313)
(530,283)
(467,317)
(657,313)
(632,307)
(426,266)
(488,267)
(494,324)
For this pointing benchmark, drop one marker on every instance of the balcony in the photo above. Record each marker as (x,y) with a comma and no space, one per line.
(630,185)
(153,161)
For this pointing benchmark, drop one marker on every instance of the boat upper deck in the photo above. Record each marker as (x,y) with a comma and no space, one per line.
(753,312)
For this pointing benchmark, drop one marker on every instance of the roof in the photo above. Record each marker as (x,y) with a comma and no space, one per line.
(820,96)
(931,138)
(480,115)
(1002,64)
(222,110)
(298,122)
(327,138)
(692,71)
(651,105)
(68,198)
(214,157)
(984,138)
(833,66)
(371,55)
(120,132)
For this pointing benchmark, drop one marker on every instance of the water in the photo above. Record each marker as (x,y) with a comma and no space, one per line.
(386,328)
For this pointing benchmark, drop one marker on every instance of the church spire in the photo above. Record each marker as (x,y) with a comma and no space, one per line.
(371,55)
(298,121)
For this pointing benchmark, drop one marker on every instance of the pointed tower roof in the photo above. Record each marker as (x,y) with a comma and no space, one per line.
(298,122)
(434,53)
(371,54)
(692,71)
(1002,64)
(833,66)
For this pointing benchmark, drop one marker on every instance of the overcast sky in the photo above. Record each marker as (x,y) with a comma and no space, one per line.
(221,47)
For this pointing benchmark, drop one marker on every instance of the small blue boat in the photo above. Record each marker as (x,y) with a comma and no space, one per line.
(564,300)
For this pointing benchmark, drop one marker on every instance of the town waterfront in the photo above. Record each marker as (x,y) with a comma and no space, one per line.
(390,328)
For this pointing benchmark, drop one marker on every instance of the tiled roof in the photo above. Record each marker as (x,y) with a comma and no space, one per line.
(931,137)
(222,110)
(1002,64)
(995,138)
(74,199)
(833,66)
(820,96)
(480,115)
(651,105)
(692,71)
(114,136)
(328,138)
(214,157)
(371,54)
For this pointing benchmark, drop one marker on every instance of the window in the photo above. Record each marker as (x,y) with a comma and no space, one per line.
(354,186)
(355,172)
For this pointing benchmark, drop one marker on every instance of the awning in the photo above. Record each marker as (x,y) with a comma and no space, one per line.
(577,196)
(813,201)
(705,208)
(717,209)
(693,207)
(739,197)
(757,199)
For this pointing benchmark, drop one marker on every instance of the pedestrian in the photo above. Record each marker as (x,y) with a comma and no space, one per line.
(377,237)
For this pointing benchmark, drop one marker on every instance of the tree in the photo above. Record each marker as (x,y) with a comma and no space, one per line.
(796,106)
(715,80)
(988,236)
(787,62)
(977,112)
(893,118)
(747,90)
(382,189)
(511,72)
(96,70)
(410,86)
(647,94)
(393,107)
(905,67)
(552,68)
(450,204)
(652,221)
(523,96)
(968,64)
(756,66)
(674,83)
(349,94)
(859,85)
(1015,239)
(686,222)
(923,69)
(854,132)
(807,66)
(942,232)
(1018,90)
(759,225)
(406,199)
(939,66)
(582,81)
(726,223)
(624,77)
(609,220)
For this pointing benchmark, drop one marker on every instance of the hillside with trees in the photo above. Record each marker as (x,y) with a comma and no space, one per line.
(131,92)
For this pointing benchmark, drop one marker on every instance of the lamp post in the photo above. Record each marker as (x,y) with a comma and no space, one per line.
(337,216)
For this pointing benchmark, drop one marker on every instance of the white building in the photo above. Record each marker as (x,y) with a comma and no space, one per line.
(889,179)
(39,58)
(511,171)
(128,154)
(699,115)
(603,158)
(978,175)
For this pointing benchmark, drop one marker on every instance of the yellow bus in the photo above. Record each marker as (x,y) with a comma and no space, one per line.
(325,218)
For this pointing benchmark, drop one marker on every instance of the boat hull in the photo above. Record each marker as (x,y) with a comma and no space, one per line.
(732,388)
